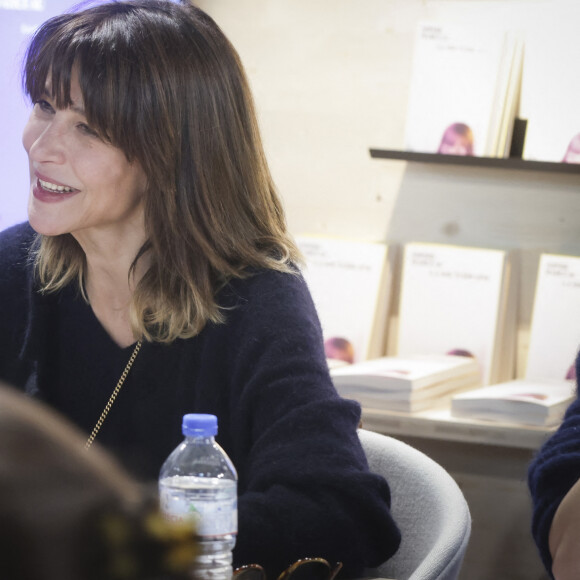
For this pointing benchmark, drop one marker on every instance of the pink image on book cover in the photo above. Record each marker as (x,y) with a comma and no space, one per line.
(570,376)
(457,140)
(572,154)
(339,348)
(460,352)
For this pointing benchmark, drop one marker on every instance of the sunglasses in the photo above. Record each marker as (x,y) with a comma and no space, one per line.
(303,569)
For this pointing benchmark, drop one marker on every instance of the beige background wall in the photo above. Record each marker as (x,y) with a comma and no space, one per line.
(331,79)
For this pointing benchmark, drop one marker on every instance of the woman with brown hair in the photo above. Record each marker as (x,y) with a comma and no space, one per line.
(156,277)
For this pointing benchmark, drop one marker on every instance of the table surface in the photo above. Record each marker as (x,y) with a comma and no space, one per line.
(438,423)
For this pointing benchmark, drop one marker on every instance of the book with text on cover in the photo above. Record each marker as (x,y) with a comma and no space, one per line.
(459,300)
(523,401)
(406,384)
(555,321)
(549,383)
(350,283)
(463,89)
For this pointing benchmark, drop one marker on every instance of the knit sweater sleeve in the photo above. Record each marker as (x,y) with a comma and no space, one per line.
(552,473)
(306,489)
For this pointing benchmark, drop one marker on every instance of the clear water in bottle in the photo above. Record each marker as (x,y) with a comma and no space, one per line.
(211,504)
(198,483)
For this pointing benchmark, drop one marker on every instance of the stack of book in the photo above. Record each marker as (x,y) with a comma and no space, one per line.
(549,385)
(464,89)
(406,384)
(350,282)
(523,401)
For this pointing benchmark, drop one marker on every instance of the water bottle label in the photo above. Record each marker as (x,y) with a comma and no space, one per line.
(211,518)
(218,519)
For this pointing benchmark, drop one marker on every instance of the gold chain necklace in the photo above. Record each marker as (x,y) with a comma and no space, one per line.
(113,395)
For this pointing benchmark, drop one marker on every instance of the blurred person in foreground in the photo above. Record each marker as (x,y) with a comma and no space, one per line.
(70,515)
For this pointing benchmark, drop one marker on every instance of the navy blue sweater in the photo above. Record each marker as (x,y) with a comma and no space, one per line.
(552,473)
(304,485)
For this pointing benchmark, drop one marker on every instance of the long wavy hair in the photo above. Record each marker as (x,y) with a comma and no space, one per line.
(161,82)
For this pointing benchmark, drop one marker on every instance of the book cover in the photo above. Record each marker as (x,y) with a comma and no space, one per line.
(459,78)
(456,300)
(550,93)
(555,321)
(525,401)
(350,283)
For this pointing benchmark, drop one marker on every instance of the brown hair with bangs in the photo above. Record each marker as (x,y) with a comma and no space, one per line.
(161,82)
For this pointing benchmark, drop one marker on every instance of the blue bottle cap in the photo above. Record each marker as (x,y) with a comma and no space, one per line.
(199,425)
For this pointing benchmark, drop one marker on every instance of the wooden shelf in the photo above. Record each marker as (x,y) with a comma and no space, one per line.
(468,161)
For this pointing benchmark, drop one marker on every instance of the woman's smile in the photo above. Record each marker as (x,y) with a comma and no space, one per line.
(50,192)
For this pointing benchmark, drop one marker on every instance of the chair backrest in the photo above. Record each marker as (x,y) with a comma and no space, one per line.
(428,506)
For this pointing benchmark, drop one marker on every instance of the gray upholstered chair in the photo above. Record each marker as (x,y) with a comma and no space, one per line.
(428,506)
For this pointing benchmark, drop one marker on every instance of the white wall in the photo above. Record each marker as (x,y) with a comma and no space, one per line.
(331,79)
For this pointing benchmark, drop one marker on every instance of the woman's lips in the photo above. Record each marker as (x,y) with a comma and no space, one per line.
(50,196)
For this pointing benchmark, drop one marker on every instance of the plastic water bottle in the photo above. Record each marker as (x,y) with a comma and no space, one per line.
(198,483)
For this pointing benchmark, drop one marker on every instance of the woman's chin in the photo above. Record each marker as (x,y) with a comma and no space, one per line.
(45,227)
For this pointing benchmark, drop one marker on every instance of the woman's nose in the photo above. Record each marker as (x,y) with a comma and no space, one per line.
(45,142)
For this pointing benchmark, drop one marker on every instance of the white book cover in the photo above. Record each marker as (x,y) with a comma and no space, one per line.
(453,88)
(550,89)
(396,374)
(533,402)
(555,321)
(350,284)
(453,300)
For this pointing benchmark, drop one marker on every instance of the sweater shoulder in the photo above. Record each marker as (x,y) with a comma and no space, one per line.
(269,301)
(262,288)
(15,243)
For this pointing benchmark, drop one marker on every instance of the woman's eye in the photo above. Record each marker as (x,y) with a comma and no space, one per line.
(44,106)
(84,128)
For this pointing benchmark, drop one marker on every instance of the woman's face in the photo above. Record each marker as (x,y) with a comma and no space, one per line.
(79,184)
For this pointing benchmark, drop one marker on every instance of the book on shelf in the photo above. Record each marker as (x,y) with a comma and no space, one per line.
(350,283)
(507,112)
(463,90)
(548,387)
(459,300)
(406,384)
(555,320)
(550,91)
(524,401)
